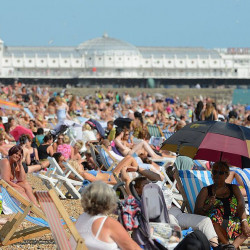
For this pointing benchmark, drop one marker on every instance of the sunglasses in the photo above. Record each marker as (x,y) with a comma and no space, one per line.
(215,172)
(126,134)
(59,138)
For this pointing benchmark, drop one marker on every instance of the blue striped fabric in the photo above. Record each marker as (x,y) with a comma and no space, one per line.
(167,134)
(245,176)
(193,181)
(15,208)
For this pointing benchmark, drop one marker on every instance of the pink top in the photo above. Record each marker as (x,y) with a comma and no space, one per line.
(65,150)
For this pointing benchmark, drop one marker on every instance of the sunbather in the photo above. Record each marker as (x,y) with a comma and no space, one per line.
(12,171)
(139,148)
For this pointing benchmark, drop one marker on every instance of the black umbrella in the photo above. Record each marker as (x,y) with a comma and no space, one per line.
(212,141)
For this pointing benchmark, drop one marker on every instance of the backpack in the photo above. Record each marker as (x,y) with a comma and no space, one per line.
(195,240)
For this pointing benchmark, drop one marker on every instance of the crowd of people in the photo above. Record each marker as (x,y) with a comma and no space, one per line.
(36,111)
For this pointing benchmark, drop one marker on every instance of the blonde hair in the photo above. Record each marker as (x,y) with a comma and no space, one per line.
(86,126)
(75,164)
(209,109)
(59,100)
(98,198)
(79,144)
(66,139)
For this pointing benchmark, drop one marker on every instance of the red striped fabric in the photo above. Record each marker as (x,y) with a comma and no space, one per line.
(54,221)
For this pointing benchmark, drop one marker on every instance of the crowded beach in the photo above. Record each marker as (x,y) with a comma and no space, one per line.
(133,172)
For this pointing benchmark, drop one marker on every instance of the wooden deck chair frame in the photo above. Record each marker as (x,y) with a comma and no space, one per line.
(8,233)
(50,200)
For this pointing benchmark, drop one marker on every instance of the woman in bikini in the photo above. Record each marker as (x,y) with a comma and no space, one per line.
(12,171)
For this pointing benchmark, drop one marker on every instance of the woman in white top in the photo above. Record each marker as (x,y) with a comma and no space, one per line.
(99,231)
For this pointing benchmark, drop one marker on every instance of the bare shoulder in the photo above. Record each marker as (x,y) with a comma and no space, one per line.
(4,162)
(110,222)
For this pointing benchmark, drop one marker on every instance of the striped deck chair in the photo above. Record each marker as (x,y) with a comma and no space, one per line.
(52,207)
(155,130)
(167,134)
(8,233)
(245,176)
(190,183)
(103,155)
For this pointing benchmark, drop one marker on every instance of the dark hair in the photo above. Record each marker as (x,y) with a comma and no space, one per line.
(139,116)
(47,138)
(6,127)
(119,130)
(110,123)
(15,149)
(23,139)
(57,156)
(198,110)
(138,180)
(221,164)
(40,131)
(170,173)
(248,118)
(33,122)
(10,119)
(1,119)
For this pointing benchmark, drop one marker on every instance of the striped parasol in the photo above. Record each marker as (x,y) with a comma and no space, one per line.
(8,105)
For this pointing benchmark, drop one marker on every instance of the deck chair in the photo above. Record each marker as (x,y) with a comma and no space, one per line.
(102,152)
(51,182)
(155,130)
(167,134)
(71,185)
(190,182)
(93,152)
(245,176)
(52,208)
(8,233)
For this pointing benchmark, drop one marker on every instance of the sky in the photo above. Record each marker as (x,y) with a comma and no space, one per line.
(174,23)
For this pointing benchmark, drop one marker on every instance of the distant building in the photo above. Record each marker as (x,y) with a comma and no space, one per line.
(106,60)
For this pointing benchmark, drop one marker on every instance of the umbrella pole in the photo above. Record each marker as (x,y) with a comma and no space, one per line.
(220,155)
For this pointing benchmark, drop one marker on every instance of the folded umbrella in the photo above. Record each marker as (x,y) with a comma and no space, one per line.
(20,130)
(212,141)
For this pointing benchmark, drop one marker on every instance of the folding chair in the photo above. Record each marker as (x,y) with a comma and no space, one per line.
(102,152)
(245,176)
(8,233)
(190,183)
(51,182)
(155,130)
(63,177)
(93,152)
(51,206)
